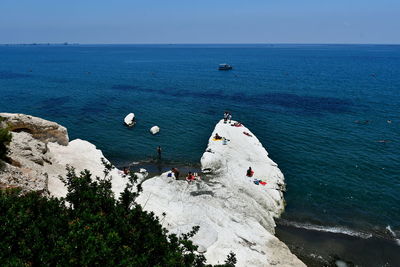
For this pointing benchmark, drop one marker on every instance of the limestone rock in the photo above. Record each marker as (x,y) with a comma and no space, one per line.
(43,130)
(234,213)
(27,159)
(24,178)
(39,153)
(154,129)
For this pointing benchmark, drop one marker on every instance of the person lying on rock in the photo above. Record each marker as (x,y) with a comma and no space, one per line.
(249,172)
(217,137)
(190,177)
(246,133)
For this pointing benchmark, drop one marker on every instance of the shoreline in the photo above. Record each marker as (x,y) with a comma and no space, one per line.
(324,248)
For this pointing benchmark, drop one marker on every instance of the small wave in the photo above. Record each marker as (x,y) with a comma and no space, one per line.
(390,231)
(329,229)
(394,235)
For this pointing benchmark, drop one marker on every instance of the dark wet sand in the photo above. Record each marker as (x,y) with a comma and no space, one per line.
(316,248)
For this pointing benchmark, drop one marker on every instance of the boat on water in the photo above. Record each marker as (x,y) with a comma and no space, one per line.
(224,67)
(130,120)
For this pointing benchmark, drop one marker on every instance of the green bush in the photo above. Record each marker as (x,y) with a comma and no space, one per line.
(89,228)
(5,139)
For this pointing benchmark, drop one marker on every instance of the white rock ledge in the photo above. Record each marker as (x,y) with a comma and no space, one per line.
(233,213)
(81,155)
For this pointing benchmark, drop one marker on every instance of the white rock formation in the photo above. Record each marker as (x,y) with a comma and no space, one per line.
(28,158)
(81,155)
(233,213)
(154,129)
(40,152)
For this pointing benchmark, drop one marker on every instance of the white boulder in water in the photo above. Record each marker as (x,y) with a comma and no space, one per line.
(154,129)
(234,213)
(130,119)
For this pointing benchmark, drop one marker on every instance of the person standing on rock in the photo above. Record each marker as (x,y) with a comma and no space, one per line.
(225,116)
(230,117)
(159,152)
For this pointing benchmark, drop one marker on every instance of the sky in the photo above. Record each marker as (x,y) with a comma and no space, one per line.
(204,21)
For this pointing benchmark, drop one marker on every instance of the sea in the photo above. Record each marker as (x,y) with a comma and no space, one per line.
(329,115)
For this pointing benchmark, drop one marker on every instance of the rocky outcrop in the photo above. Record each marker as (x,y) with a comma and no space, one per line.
(39,153)
(235,212)
(28,152)
(27,157)
(40,129)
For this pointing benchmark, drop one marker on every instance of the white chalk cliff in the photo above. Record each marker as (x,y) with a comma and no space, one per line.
(40,151)
(234,214)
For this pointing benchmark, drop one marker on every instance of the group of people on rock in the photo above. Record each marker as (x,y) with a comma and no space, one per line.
(227,116)
(218,137)
(190,177)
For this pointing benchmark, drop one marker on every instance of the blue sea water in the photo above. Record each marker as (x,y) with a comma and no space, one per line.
(318,109)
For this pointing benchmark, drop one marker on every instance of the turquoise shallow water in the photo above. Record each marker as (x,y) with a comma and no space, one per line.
(302,102)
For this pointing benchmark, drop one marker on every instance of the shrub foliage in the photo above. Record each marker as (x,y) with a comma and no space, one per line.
(5,139)
(89,228)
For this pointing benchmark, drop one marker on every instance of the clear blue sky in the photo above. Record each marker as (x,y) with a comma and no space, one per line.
(201,21)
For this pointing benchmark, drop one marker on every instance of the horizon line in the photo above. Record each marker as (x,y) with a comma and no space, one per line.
(277,43)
